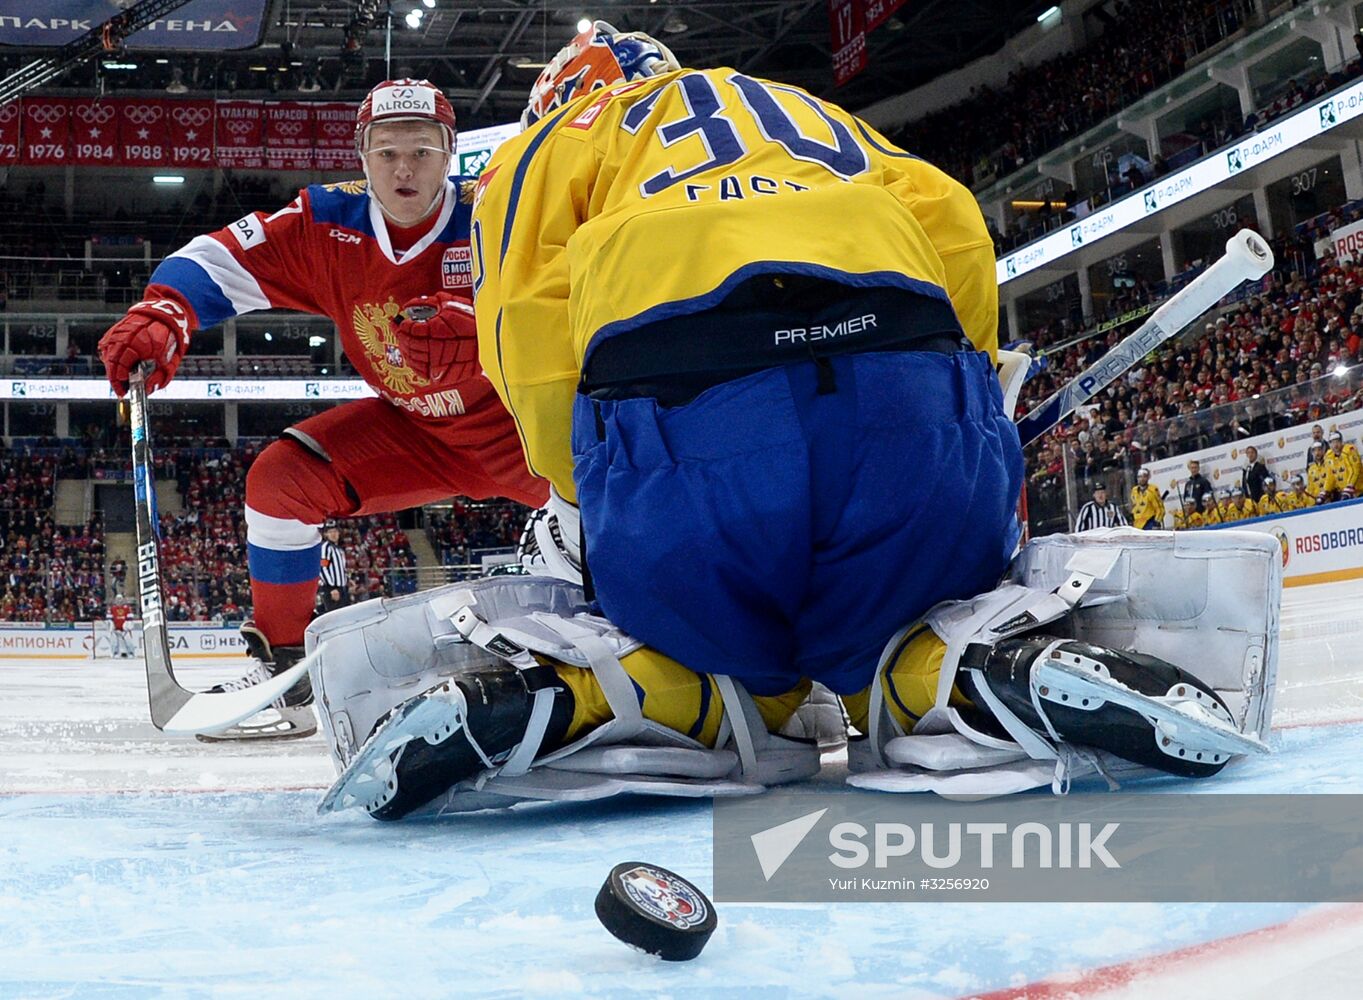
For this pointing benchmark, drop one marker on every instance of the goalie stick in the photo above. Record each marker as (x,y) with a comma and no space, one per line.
(174,708)
(1247,258)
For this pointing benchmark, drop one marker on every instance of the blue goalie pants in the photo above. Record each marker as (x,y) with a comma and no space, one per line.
(771,531)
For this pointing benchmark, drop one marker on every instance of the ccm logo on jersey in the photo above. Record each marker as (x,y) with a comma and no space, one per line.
(814,334)
(248,231)
(456,267)
(344,237)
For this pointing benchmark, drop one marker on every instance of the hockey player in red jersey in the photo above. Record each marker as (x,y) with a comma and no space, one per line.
(122,639)
(361,253)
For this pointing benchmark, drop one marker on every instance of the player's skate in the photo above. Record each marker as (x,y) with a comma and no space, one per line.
(291,717)
(451,732)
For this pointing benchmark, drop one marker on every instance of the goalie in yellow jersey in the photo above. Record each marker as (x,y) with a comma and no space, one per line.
(733,324)
(750,344)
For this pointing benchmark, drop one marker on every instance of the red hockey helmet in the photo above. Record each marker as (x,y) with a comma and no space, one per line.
(596,58)
(404,101)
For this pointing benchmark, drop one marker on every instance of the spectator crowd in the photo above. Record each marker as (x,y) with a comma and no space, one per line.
(471,525)
(203,547)
(1145,44)
(46,570)
(50,572)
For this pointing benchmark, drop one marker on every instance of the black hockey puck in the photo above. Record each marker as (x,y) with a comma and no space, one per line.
(656,911)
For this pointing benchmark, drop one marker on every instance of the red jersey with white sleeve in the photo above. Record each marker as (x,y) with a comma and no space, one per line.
(330,252)
(119,614)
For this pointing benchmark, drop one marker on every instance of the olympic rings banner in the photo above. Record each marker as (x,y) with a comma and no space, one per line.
(159,132)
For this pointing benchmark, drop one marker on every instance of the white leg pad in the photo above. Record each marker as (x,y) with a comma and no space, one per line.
(1206,601)
(379,655)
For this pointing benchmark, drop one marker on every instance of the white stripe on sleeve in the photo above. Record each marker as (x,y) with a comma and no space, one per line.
(237,283)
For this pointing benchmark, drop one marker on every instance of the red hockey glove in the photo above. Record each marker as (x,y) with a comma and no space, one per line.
(156,329)
(438,337)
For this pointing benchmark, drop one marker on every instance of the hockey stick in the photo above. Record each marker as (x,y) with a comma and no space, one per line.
(1247,257)
(175,709)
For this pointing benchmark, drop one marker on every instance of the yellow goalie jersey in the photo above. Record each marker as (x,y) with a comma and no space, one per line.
(649,200)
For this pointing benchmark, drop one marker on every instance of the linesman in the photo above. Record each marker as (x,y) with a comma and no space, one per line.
(333,585)
(1100,512)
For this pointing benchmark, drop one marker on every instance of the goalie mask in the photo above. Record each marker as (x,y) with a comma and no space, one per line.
(598,57)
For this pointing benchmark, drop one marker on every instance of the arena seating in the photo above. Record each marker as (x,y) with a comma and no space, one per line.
(1177,153)
(44,565)
(203,547)
(58,573)
(1146,45)
(470,525)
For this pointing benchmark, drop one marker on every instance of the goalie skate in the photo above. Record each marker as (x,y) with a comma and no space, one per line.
(1189,723)
(370,780)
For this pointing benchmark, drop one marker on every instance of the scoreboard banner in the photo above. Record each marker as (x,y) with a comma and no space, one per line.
(197,26)
(333,137)
(1318,544)
(1316,118)
(55,390)
(178,133)
(9,133)
(191,127)
(144,133)
(288,136)
(847,38)
(239,134)
(45,132)
(94,131)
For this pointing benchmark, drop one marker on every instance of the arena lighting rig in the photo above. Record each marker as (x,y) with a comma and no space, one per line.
(104,38)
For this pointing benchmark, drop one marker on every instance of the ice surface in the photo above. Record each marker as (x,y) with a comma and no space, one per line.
(135,865)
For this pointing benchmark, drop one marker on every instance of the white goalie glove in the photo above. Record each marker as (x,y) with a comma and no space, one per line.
(551,542)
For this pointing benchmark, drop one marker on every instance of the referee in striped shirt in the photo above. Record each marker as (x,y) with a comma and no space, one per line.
(1100,512)
(333,586)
